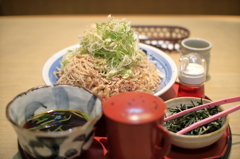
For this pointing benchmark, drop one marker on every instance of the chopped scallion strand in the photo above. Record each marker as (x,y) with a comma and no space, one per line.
(81,115)
(58,128)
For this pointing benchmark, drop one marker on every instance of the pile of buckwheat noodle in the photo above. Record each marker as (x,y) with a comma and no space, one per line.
(113,74)
(83,70)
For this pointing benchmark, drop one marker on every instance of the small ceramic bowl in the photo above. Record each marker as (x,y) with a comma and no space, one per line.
(65,144)
(194,141)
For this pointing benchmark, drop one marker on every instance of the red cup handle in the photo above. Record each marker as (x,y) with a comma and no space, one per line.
(159,152)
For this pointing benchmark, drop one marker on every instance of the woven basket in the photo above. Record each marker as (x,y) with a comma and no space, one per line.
(166,38)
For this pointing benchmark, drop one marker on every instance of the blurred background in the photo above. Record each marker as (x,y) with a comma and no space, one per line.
(56,7)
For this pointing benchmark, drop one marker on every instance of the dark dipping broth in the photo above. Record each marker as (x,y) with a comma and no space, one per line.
(178,124)
(57,120)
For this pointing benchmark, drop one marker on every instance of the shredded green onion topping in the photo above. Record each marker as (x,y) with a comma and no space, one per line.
(115,42)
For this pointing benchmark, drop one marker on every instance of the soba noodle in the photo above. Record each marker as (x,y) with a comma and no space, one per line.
(84,70)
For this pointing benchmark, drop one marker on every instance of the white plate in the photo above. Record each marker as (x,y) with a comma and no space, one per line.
(160,59)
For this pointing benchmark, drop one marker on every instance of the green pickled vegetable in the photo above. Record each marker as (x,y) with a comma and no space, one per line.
(180,123)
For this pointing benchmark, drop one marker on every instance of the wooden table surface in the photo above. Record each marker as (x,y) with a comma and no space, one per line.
(27,42)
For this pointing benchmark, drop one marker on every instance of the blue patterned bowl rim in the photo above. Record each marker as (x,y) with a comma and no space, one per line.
(162,61)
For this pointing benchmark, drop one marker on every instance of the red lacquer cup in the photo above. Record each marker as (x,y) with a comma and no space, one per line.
(134,126)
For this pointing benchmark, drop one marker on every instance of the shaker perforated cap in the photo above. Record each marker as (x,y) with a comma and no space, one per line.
(134,108)
(192,69)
